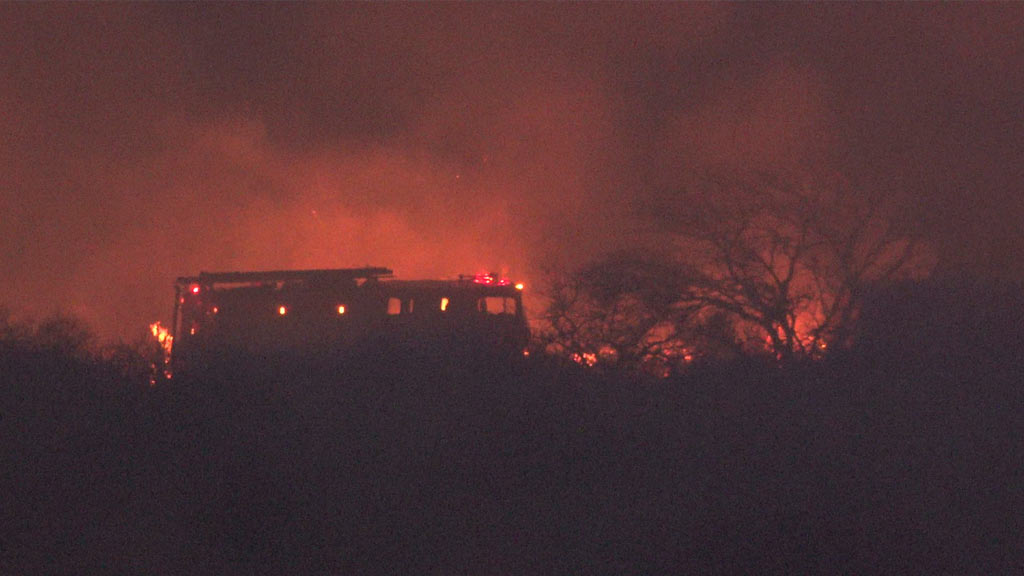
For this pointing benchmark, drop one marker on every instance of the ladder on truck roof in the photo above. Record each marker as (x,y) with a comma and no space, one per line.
(208,279)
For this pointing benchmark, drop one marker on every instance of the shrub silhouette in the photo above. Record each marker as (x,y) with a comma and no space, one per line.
(944,321)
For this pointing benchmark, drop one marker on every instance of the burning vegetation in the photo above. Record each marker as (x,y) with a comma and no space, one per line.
(764,267)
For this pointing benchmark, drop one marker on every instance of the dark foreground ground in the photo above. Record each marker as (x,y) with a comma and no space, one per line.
(876,463)
(471,469)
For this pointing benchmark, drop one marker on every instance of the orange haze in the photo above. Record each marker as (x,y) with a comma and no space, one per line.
(140,142)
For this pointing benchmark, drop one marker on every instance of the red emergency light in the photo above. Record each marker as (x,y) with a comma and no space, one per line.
(490,280)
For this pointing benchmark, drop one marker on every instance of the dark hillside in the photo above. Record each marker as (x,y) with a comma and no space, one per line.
(855,466)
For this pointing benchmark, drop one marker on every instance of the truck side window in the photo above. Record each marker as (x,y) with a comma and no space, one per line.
(394,306)
(498,305)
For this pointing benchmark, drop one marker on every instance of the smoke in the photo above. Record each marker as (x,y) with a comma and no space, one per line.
(144,142)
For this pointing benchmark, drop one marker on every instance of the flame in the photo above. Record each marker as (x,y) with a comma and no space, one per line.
(166,341)
(163,336)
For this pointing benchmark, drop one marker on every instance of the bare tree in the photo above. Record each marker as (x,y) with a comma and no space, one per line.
(789,260)
(624,310)
(765,264)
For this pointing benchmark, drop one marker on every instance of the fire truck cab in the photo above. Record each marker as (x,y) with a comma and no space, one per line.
(343,311)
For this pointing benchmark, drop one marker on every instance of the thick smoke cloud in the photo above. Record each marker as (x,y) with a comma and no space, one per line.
(143,142)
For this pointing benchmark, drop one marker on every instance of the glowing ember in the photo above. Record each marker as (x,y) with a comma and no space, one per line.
(444,304)
(341,309)
(586,359)
(282,310)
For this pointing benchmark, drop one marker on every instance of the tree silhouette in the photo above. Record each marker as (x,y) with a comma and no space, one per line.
(790,260)
(65,334)
(766,264)
(624,310)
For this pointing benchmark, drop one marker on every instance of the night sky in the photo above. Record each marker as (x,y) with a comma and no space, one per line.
(140,142)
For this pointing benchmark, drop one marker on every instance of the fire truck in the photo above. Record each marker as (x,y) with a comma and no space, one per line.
(342,311)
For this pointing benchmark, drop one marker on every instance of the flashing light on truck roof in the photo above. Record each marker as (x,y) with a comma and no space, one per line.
(490,280)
